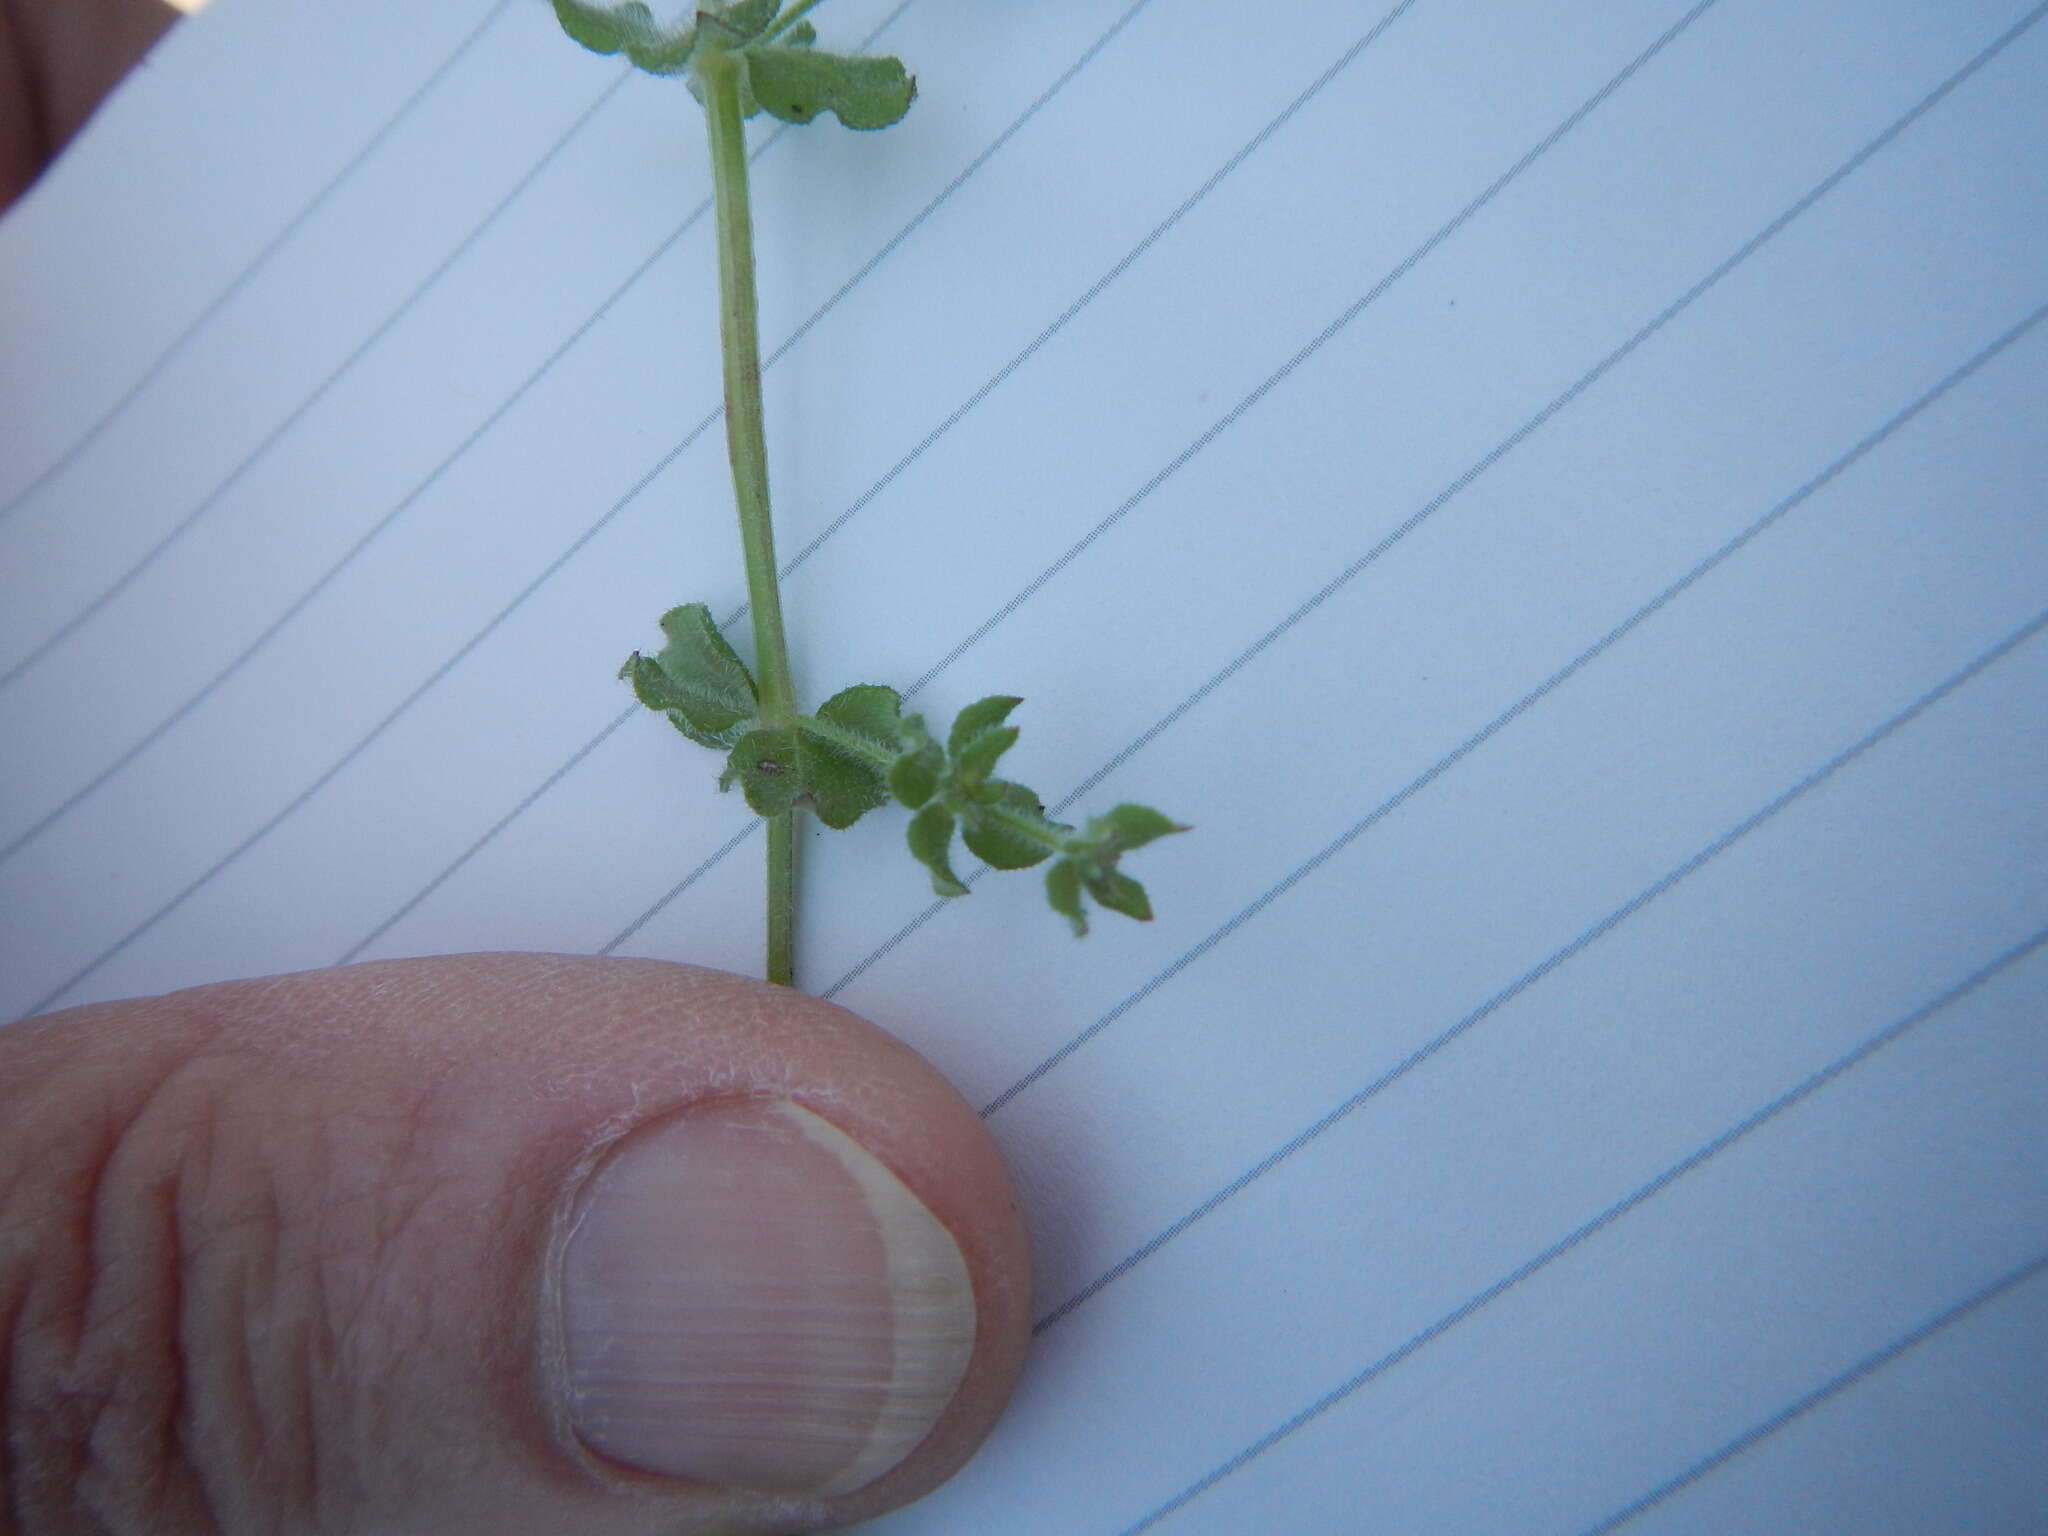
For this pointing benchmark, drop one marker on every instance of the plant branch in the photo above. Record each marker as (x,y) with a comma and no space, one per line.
(859,751)
(718,76)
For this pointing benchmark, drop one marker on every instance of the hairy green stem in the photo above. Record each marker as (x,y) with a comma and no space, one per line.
(718,77)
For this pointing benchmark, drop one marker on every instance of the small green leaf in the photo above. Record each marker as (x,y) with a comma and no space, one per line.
(931,841)
(982,715)
(914,776)
(999,845)
(802,35)
(629,29)
(977,760)
(665,56)
(1063,890)
(697,647)
(767,765)
(866,709)
(796,83)
(1131,826)
(604,29)
(650,686)
(1120,893)
(778,768)
(843,785)
(696,680)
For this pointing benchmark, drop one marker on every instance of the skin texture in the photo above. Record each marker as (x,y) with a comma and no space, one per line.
(58,58)
(278,1255)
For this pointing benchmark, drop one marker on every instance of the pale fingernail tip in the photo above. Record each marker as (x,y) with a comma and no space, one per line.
(750,1298)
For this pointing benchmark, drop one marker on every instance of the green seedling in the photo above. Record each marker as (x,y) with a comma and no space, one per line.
(858,751)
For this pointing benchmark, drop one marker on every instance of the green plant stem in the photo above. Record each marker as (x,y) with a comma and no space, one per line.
(782,899)
(718,76)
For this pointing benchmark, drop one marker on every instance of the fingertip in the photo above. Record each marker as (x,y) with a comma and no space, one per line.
(714,1056)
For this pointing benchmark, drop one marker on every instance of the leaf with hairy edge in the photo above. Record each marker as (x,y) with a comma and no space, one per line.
(1001,846)
(914,776)
(981,715)
(602,29)
(977,760)
(931,841)
(866,709)
(629,29)
(697,679)
(843,785)
(652,688)
(796,83)
(1131,826)
(778,768)
(1120,893)
(1063,890)
(765,764)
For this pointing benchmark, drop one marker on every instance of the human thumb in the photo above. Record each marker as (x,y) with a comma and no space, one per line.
(492,1243)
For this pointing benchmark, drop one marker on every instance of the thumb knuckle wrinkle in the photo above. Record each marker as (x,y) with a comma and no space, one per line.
(155,1368)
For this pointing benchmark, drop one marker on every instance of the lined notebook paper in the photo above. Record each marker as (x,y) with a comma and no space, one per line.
(1554,492)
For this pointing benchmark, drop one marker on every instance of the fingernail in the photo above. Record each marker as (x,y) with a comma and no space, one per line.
(750,1298)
